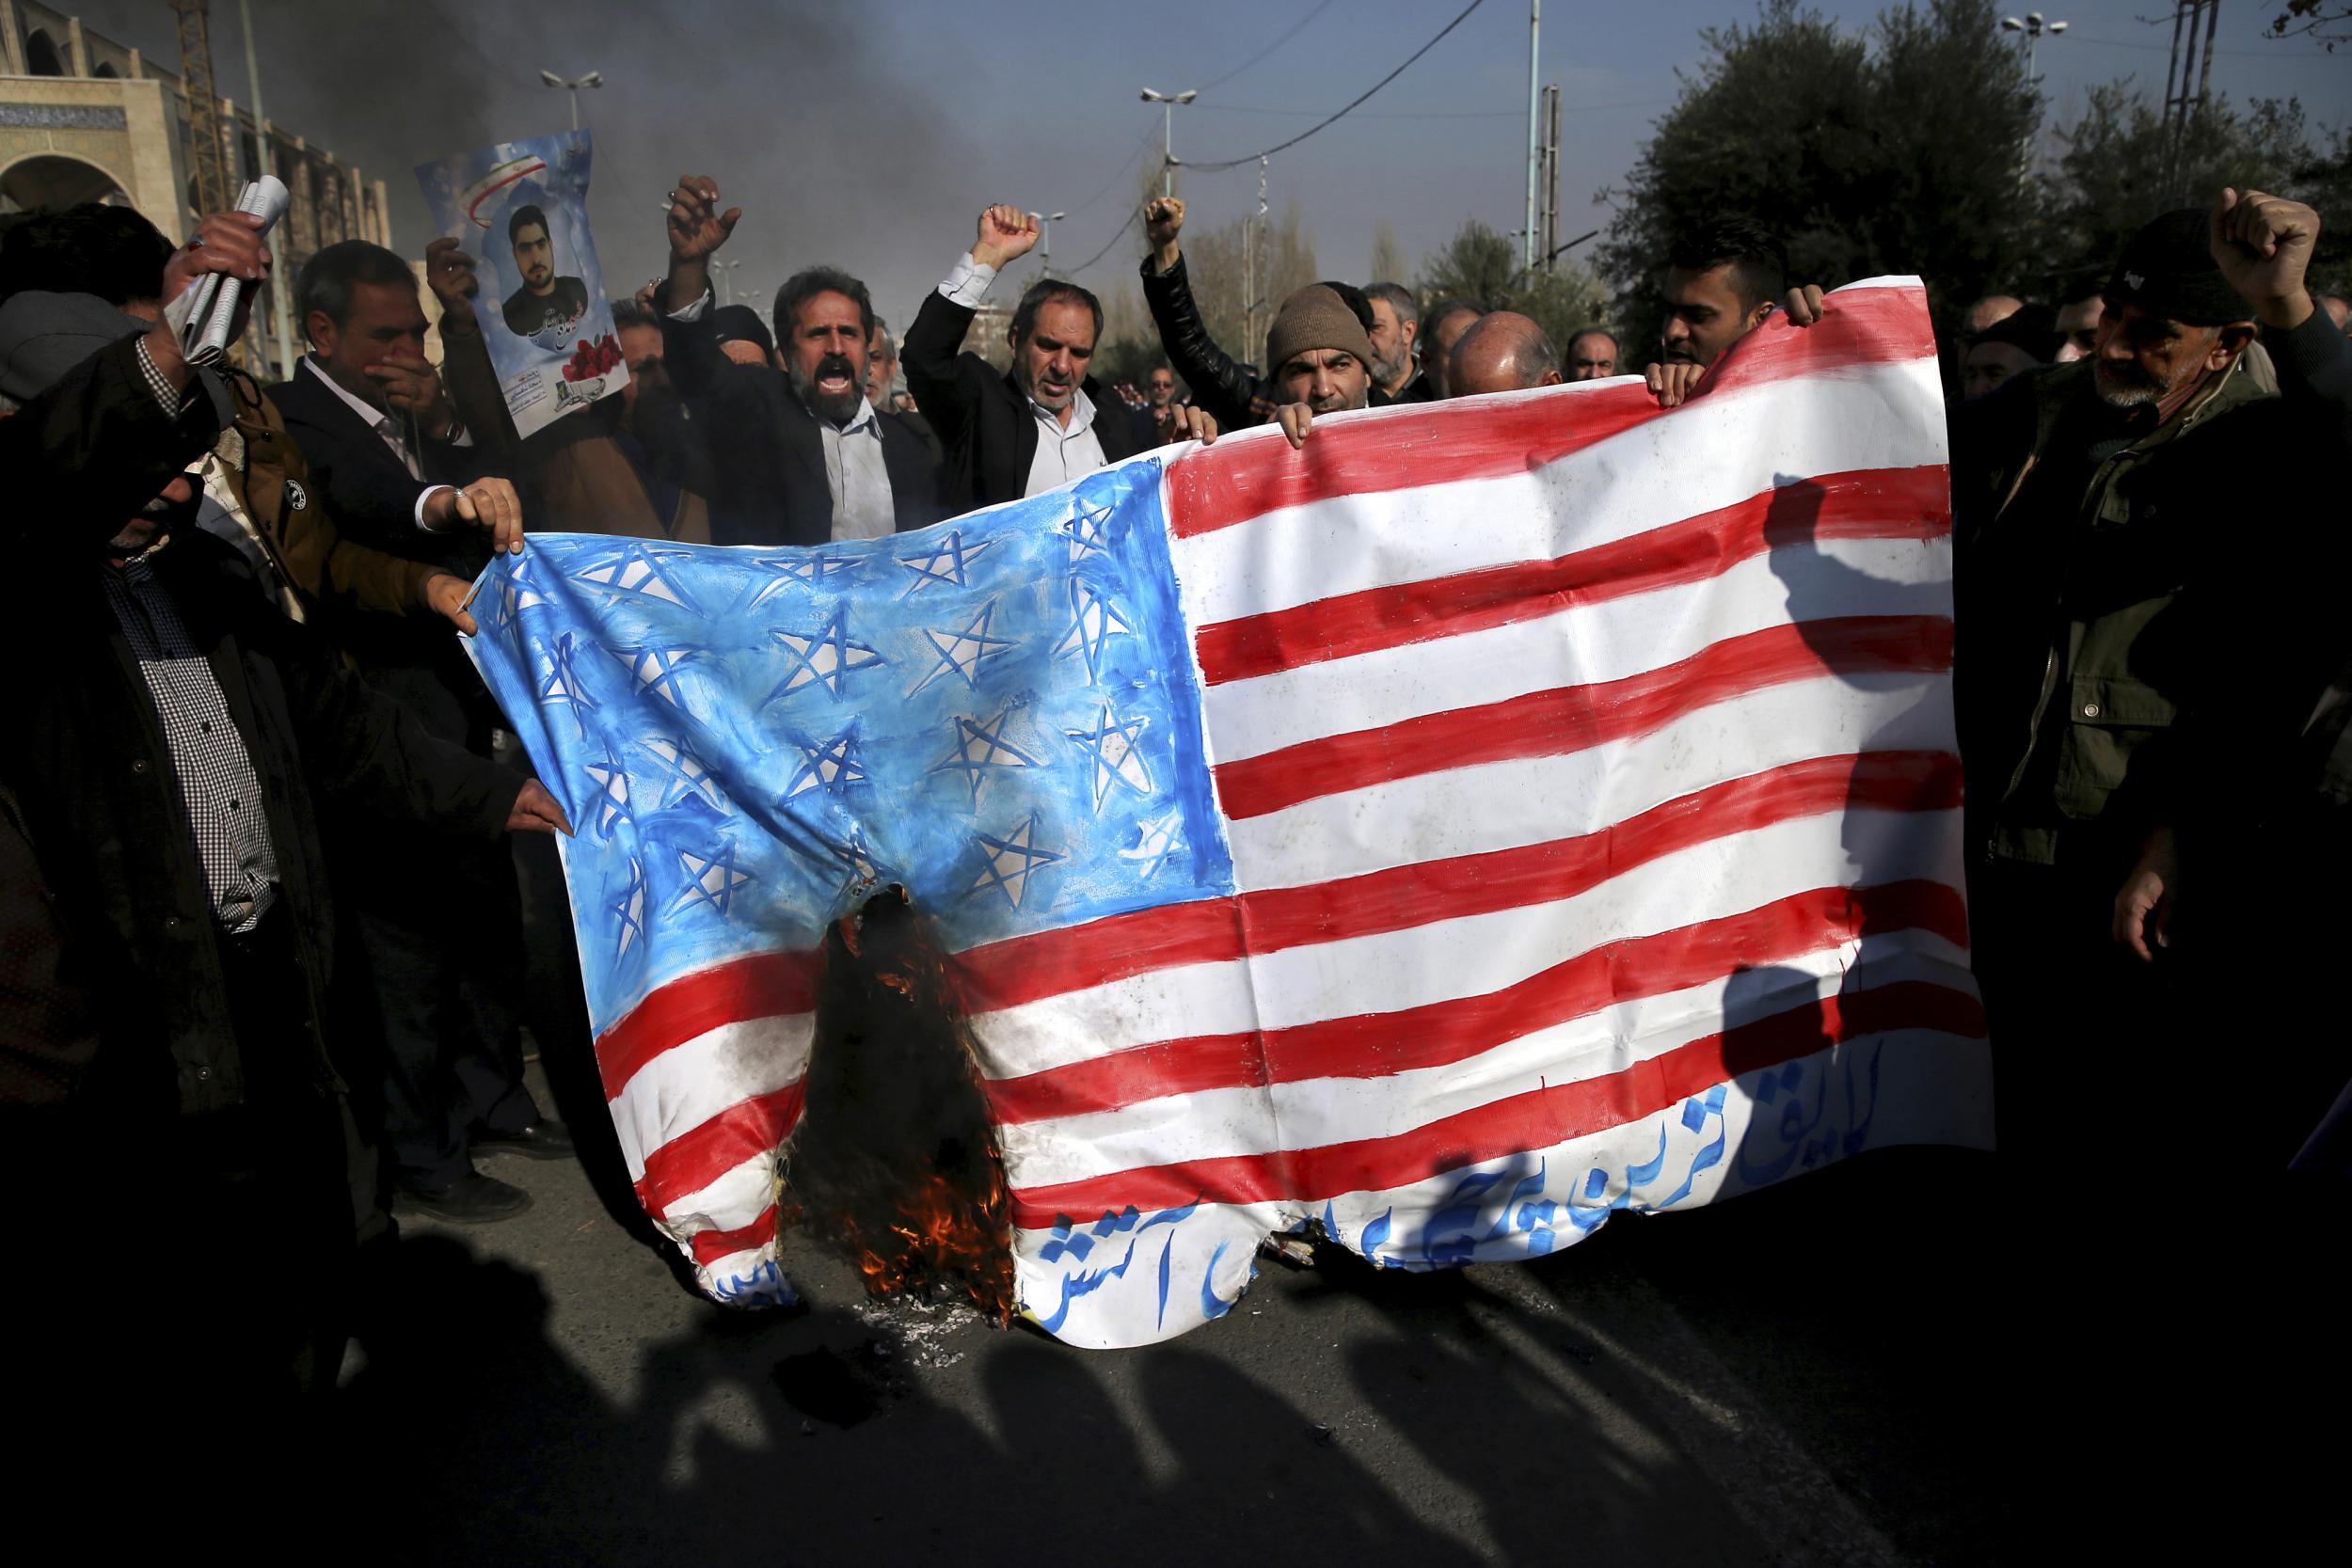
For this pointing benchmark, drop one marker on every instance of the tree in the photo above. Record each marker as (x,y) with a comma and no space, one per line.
(2327,21)
(1481,265)
(2123,164)
(1387,256)
(1897,151)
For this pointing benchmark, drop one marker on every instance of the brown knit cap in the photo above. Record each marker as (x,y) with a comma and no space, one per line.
(1314,317)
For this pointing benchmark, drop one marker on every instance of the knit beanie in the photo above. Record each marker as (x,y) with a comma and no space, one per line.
(1314,317)
(2168,269)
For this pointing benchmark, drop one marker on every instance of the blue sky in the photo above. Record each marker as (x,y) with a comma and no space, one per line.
(870,135)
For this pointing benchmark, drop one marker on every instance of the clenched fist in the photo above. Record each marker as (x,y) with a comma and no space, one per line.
(1006,233)
(1163,220)
(697,226)
(2264,245)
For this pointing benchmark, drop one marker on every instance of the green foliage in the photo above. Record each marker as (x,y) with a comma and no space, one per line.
(1480,264)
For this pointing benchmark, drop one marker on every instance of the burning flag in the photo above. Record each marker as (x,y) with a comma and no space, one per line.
(1502,813)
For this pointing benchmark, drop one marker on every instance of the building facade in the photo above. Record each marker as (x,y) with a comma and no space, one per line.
(84,119)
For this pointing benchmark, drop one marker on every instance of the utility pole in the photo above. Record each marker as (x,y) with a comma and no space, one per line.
(1168,102)
(1256,294)
(282,328)
(203,105)
(2181,103)
(594,79)
(1045,222)
(1549,248)
(1534,137)
(2032,27)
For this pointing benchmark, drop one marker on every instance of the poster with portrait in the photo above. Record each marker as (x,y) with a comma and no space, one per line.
(520,210)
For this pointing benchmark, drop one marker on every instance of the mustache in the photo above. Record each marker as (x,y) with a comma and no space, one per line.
(836,364)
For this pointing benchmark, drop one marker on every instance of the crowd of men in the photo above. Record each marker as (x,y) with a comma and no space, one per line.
(259,911)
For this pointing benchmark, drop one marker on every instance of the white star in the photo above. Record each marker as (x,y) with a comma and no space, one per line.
(634,569)
(946,564)
(1110,746)
(1085,531)
(656,671)
(961,652)
(1010,858)
(613,793)
(684,774)
(852,854)
(711,881)
(832,765)
(520,591)
(629,909)
(813,568)
(1162,837)
(821,657)
(980,747)
(1093,622)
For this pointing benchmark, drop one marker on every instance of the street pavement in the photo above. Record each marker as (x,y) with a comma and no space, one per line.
(1801,1376)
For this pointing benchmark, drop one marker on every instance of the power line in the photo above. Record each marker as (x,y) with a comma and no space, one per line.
(1436,114)
(1132,218)
(1268,152)
(1296,31)
(1118,174)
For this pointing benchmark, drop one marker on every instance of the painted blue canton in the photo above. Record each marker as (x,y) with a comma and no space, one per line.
(999,712)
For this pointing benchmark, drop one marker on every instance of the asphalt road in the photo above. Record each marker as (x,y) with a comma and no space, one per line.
(1800,1376)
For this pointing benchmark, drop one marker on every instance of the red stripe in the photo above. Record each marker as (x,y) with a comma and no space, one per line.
(1215,487)
(710,1246)
(1573,718)
(700,1155)
(1032,968)
(1870,503)
(1379,1045)
(759,985)
(1539,1119)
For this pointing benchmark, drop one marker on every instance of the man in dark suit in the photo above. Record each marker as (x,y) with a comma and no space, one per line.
(1045,421)
(373,419)
(805,458)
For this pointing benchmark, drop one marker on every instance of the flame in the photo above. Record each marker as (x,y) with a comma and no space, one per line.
(895,1159)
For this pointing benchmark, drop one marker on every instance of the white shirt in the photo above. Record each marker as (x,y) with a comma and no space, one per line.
(1064,453)
(854,470)
(385,425)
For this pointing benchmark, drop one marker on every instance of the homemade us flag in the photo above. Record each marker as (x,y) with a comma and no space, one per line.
(1501,813)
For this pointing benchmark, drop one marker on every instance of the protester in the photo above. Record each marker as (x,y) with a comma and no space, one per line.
(2018,342)
(1395,323)
(1229,391)
(1045,421)
(1442,326)
(742,337)
(1502,352)
(2339,310)
(170,938)
(806,458)
(1722,279)
(1593,354)
(881,390)
(2099,626)
(1321,359)
(1984,312)
(385,446)
(2078,326)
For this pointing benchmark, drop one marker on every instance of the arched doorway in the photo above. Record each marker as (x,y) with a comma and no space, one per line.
(49,181)
(41,56)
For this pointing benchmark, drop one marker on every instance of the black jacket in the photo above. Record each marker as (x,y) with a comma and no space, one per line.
(118,896)
(983,417)
(768,479)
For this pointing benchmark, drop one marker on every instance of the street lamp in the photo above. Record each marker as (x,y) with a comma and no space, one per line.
(594,79)
(1045,222)
(2033,27)
(726,278)
(1167,132)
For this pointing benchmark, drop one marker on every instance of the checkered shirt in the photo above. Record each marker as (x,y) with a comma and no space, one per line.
(218,786)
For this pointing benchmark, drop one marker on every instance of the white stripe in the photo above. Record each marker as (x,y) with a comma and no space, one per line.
(1578,646)
(1502,805)
(739,1197)
(1707,454)
(1473,954)
(1314,1113)
(689,1084)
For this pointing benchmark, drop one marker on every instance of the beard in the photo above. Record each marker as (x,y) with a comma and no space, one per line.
(1391,372)
(837,407)
(2128,389)
(154,524)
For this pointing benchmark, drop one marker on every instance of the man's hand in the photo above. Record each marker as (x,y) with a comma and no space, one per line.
(535,811)
(2264,245)
(445,594)
(1805,305)
(1182,423)
(1674,384)
(413,386)
(226,243)
(1005,234)
(449,272)
(486,503)
(2150,897)
(1163,220)
(1297,419)
(697,228)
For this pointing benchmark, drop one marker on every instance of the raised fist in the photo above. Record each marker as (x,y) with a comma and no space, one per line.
(1006,233)
(2263,244)
(697,226)
(1163,220)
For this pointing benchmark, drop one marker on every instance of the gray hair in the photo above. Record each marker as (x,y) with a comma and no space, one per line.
(1400,299)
